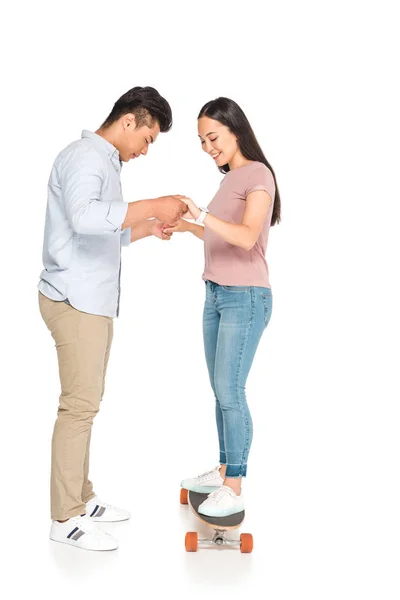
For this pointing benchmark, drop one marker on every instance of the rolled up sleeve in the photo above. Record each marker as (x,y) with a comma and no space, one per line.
(81,177)
(126,236)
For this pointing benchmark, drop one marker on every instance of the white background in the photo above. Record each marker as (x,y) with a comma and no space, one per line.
(318,81)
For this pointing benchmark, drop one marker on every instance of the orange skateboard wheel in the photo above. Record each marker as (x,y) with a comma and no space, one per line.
(246,542)
(191,541)
(184,496)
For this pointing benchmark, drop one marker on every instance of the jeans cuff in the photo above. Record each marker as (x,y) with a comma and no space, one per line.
(235,471)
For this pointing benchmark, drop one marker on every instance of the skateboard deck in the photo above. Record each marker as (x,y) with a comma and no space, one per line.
(220,525)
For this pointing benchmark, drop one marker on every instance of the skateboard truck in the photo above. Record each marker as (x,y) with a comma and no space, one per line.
(193,543)
(219,539)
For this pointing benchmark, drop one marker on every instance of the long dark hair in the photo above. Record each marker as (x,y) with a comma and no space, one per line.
(227,112)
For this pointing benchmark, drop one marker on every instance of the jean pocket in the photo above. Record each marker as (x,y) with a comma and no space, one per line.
(267,302)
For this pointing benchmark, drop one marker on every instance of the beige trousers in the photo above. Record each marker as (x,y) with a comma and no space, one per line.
(83,343)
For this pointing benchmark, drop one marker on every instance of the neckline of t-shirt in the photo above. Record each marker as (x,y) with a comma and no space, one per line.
(253,162)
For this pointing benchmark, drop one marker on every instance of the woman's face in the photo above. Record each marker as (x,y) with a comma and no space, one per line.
(217,140)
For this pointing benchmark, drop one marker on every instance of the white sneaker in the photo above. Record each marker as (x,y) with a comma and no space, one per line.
(222,503)
(204,483)
(80,532)
(97,510)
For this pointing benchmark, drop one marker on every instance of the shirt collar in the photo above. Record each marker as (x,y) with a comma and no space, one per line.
(102,143)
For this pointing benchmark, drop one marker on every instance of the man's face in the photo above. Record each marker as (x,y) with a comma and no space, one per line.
(135,140)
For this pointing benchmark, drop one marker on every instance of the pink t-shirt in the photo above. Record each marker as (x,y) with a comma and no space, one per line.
(225,263)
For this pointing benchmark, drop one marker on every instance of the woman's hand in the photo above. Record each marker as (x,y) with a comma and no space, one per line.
(193,211)
(180,226)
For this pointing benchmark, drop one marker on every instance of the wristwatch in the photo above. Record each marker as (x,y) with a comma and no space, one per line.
(202,215)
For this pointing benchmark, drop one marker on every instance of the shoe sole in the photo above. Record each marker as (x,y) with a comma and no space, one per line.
(201,489)
(101,520)
(75,545)
(229,514)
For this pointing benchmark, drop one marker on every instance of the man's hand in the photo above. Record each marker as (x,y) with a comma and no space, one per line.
(170,208)
(157,229)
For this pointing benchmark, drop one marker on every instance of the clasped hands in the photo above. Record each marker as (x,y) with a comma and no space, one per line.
(164,231)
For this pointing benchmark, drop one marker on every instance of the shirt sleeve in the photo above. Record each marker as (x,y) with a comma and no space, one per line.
(261,179)
(81,177)
(126,236)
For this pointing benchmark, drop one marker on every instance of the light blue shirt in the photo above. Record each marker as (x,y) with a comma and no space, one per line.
(83,236)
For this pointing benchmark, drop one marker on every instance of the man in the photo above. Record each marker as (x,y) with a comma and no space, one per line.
(87,221)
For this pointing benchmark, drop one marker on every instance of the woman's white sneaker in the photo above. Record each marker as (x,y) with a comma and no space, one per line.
(97,510)
(80,532)
(222,503)
(204,483)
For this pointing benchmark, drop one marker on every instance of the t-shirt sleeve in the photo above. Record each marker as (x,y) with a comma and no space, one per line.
(260,179)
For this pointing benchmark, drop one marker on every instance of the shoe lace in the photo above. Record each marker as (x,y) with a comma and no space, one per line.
(209,474)
(220,493)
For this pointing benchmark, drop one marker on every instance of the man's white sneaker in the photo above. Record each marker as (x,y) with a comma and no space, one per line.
(80,532)
(97,510)
(222,503)
(204,483)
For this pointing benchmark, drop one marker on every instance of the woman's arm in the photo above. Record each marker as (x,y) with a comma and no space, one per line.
(183,226)
(245,234)
(197,230)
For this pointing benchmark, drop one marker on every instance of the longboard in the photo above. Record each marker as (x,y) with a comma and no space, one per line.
(220,525)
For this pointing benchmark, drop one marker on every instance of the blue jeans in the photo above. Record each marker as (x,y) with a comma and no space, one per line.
(234,320)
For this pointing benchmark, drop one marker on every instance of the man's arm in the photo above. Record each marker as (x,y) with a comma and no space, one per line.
(166,209)
(141,230)
(81,175)
(144,229)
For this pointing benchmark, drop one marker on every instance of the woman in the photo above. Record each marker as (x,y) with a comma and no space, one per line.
(238,305)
